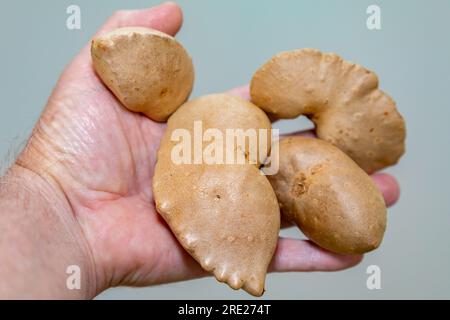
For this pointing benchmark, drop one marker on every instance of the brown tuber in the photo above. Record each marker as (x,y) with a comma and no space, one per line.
(341,98)
(225,215)
(332,200)
(147,70)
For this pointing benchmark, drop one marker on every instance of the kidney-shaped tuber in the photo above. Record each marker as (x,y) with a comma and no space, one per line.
(225,215)
(147,70)
(331,199)
(341,98)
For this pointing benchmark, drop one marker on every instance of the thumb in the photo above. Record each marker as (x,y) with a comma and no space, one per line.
(166,17)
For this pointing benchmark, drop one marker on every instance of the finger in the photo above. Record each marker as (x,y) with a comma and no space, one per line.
(291,255)
(242,92)
(303,255)
(166,17)
(388,186)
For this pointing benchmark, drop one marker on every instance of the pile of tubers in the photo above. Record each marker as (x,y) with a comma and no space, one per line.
(227,216)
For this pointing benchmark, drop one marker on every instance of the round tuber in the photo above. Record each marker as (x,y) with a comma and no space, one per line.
(147,70)
(330,198)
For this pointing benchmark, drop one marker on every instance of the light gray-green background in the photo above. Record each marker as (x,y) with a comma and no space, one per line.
(228,41)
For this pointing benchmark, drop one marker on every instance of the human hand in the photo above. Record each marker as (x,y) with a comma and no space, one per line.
(100,158)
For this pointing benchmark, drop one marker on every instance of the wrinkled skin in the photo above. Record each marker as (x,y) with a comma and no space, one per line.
(102,157)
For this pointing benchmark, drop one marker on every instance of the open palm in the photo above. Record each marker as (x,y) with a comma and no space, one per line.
(103,157)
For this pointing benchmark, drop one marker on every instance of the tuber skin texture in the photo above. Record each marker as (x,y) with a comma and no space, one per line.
(226,216)
(330,198)
(340,97)
(147,70)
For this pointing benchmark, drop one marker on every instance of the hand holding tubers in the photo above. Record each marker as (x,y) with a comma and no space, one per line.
(227,216)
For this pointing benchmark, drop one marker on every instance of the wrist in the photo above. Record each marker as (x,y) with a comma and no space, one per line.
(41,240)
